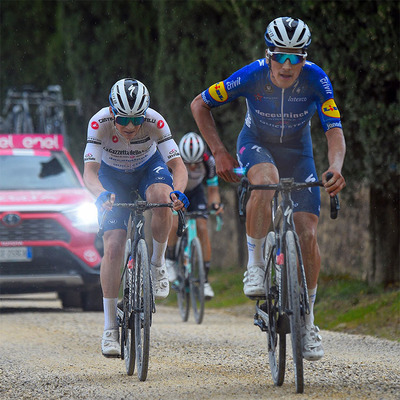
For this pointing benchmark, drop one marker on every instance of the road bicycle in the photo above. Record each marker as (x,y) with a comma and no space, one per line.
(134,312)
(191,275)
(286,297)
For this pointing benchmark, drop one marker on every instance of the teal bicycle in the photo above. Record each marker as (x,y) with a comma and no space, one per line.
(191,275)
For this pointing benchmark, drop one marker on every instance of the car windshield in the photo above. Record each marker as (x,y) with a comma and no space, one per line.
(25,171)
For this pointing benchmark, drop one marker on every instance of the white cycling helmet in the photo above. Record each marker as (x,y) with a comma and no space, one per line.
(191,148)
(287,32)
(129,97)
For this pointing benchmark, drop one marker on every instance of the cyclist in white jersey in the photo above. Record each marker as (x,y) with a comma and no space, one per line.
(282,93)
(130,147)
(200,165)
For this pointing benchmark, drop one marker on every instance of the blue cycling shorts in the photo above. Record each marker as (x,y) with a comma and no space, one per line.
(291,158)
(197,198)
(124,184)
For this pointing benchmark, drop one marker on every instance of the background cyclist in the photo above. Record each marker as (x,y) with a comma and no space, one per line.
(282,93)
(129,146)
(200,166)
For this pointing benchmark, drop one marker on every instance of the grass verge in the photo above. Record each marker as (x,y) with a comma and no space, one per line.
(343,304)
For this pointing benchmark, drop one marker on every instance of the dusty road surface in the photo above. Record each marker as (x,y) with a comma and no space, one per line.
(47,353)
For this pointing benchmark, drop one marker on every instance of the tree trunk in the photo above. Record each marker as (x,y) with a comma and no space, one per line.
(385,240)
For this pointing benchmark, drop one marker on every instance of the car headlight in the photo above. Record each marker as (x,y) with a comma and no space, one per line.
(84,217)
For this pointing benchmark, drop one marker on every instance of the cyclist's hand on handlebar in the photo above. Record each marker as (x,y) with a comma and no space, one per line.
(335,184)
(218,208)
(105,201)
(179,200)
(225,165)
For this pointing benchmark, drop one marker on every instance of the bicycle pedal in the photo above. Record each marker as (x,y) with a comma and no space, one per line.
(258,297)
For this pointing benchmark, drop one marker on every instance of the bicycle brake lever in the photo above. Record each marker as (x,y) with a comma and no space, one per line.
(335,203)
(181,223)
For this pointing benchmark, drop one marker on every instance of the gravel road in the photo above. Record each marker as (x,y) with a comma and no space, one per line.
(48,353)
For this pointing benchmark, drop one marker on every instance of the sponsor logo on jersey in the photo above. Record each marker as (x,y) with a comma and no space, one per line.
(232,84)
(94,125)
(115,139)
(297,99)
(218,92)
(173,153)
(258,97)
(330,109)
(326,85)
(334,125)
(106,119)
(151,120)
(268,88)
(89,157)
(160,124)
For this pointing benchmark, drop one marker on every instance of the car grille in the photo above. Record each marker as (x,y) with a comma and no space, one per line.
(35,229)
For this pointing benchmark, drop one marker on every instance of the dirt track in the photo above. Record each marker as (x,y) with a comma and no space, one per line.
(47,353)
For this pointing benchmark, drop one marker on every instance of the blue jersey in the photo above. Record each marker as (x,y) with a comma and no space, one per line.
(278,115)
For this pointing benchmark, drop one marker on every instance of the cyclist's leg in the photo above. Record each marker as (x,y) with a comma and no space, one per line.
(114,240)
(155,187)
(260,167)
(306,213)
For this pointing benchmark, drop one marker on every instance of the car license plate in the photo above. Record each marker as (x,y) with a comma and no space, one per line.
(15,254)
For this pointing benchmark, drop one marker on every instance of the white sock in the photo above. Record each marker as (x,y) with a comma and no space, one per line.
(110,313)
(255,249)
(312,294)
(158,256)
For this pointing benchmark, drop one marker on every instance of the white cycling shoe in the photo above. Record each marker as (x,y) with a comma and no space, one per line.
(254,282)
(208,292)
(312,343)
(171,269)
(160,281)
(110,346)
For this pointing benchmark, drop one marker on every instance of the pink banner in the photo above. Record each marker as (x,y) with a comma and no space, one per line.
(32,141)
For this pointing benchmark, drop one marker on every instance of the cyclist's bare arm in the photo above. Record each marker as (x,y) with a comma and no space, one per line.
(336,153)
(223,160)
(213,197)
(180,176)
(92,182)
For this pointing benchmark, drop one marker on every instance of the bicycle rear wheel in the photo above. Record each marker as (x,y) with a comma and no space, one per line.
(196,280)
(183,288)
(294,308)
(127,324)
(276,334)
(143,300)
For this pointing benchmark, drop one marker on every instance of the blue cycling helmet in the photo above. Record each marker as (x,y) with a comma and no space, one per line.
(288,32)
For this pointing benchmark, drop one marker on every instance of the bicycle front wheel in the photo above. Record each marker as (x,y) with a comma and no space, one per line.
(183,284)
(143,300)
(196,280)
(275,334)
(127,323)
(291,262)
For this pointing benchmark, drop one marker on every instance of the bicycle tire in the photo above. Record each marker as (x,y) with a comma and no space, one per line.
(128,352)
(276,338)
(183,289)
(294,307)
(142,309)
(197,279)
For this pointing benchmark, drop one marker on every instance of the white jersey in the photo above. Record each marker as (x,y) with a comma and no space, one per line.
(105,143)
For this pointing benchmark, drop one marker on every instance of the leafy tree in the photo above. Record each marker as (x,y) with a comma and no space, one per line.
(179,48)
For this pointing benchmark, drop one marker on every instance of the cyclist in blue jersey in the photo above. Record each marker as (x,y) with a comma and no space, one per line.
(282,93)
(200,166)
(130,147)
